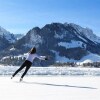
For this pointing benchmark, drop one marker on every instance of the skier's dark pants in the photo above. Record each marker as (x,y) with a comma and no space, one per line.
(26,64)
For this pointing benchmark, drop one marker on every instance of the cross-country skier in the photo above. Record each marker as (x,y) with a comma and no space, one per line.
(28,62)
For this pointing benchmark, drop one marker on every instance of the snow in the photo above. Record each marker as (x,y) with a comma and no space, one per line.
(72,44)
(5,58)
(82,38)
(11,57)
(90,35)
(61,59)
(35,39)
(60,35)
(12,49)
(19,36)
(50,83)
(86,32)
(90,58)
(52,71)
(50,88)
(9,36)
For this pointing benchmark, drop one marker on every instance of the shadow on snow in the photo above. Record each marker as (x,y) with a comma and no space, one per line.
(58,85)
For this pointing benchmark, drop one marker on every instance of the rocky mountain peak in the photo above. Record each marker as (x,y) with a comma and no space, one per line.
(63,42)
(7,35)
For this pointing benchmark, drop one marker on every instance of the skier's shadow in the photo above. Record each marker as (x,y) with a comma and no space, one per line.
(59,85)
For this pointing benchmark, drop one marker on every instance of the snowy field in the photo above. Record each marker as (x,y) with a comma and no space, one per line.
(50,83)
(50,88)
(55,71)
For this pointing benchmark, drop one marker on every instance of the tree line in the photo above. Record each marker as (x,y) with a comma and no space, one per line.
(16,61)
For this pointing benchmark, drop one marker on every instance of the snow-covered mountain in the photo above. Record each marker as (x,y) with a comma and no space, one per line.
(62,42)
(85,32)
(7,35)
(6,39)
(18,36)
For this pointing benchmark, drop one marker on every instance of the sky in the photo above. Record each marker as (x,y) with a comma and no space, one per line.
(19,16)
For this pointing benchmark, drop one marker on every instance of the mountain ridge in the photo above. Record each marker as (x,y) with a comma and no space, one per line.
(68,41)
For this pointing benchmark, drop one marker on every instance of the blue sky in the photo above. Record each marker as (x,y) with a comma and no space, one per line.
(19,16)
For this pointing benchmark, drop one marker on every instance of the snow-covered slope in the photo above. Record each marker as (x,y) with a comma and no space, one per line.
(90,58)
(33,38)
(7,35)
(18,36)
(86,32)
(72,44)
